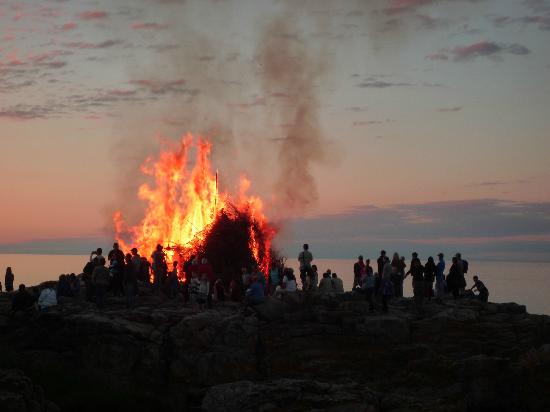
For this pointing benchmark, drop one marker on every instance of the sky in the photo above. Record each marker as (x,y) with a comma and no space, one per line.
(405,124)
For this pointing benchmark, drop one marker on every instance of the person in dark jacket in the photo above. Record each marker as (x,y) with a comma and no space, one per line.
(417,273)
(8,280)
(429,277)
(22,301)
(454,278)
(130,281)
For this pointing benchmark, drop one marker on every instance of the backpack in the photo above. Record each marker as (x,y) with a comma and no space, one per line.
(465,265)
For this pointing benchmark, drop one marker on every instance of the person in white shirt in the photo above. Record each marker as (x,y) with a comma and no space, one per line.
(47,298)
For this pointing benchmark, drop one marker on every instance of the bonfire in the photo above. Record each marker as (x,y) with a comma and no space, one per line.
(188,214)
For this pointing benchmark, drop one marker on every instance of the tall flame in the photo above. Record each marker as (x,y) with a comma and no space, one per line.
(183,205)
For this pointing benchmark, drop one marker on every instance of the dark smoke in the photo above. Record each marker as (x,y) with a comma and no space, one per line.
(290,70)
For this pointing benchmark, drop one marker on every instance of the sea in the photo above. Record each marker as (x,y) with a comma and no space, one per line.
(526,283)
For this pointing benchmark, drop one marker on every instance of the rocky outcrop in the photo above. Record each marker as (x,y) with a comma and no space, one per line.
(304,352)
(19,394)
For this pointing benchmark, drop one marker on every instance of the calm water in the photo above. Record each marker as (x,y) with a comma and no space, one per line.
(525,283)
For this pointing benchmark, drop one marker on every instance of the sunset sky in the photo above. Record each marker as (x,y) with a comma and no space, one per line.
(433,116)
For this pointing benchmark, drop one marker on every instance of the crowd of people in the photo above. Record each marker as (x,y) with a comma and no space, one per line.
(195,281)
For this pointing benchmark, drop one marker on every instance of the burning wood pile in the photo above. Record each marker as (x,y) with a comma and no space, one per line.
(188,214)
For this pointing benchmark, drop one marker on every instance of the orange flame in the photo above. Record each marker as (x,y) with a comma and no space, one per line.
(183,205)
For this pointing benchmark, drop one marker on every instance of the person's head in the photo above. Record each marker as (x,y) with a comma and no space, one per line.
(62,278)
(383,253)
(414,255)
(143,259)
(115,246)
(128,257)
(334,275)
(455,259)
(101,261)
(402,258)
(476,278)
(72,276)
(329,271)
(21,287)
(431,259)
(314,268)
(326,274)
(360,257)
(306,246)
(8,270)
(395,256)
(440,256)
(459,256)
(134,251)
(159,247)
(99,251)
(367,262)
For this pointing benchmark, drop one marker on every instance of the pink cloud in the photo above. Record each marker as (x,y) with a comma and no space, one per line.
(92,15)
(68,26)
(149,26)
(102,45)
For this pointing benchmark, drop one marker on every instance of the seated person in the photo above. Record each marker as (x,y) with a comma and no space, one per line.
(47,298)
(22,300)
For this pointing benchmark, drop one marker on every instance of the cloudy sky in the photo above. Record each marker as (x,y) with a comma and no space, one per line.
(397,123)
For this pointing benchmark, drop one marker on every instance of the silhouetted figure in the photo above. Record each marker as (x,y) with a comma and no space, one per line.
(47,298)
(117,270)
(396,277)
(417,272)
(305,258)
(440,277)
(337,284)
(116,254)
(74,284)
(462,266)
(234,291)
(381,261)
(63,287)
(358,272)
(159,266)
(219,290)
(481,288)
(274,277)
(135,261)
(207,271)
(454,278)
(96,255)
(100,279)
(386,287)
(368,287)
(145,270)
(8,279)
(173,281)
(22,301)
(130,281)
(289,281)
(87,278)
(429,277)
(255,294)
(325,285)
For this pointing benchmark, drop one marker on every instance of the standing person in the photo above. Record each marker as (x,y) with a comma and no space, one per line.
(158,266)
(136,262)
(337,284)
(429,277)
(144,270)
(440,277)
(74,284)
(481,288)
(417,272)
(207,271)
(462,270)
(117,269)
(8,279)
(305,258)
(396,278)
(173,281)
(368,287)
(314,280)
(358,272)
(87,278)
(96,255)
(255,294)
(386,287)
(130,282)
(100,279)
(381,261)
(453,278)
(116,254)
(203,290)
